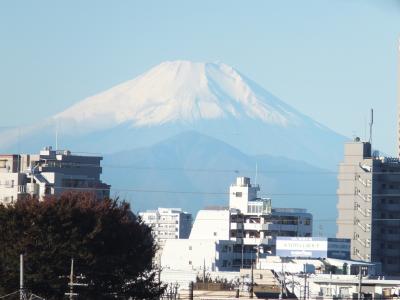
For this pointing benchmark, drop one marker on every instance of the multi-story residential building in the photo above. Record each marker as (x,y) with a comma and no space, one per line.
(168,223)
(244,232)
(369,205)
(50,172)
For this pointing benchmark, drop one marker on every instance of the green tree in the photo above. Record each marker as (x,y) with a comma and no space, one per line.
(112,248)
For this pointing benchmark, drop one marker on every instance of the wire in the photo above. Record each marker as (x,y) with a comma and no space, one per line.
(8,295)
(135,167)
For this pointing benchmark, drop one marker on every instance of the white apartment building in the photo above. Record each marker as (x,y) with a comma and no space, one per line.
(240,234)
(50,172)
(168,223)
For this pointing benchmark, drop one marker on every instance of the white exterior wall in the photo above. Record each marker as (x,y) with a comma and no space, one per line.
(211,224)
(194,254)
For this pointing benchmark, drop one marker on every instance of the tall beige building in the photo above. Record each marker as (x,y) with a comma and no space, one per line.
(369,205)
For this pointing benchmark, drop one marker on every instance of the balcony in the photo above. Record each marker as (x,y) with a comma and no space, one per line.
(252,241)
(237,239)
(365,197)
(252,226)
(258,241)
(364,212)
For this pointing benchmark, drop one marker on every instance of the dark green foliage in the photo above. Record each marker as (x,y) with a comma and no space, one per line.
(111,247)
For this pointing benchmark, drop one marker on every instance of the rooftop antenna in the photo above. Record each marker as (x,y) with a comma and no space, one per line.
(371,122)
(365,128)
(255,181)
(19,150)
(56,135)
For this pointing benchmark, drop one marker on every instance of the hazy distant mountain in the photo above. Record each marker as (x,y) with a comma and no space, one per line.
(191,171)
(173,97)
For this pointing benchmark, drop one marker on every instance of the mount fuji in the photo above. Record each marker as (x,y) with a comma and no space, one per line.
(178,96)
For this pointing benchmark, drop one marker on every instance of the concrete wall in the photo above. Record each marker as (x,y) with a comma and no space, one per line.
(190,254)
(211,224)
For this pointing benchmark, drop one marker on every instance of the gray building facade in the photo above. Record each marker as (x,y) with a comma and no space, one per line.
(369,205)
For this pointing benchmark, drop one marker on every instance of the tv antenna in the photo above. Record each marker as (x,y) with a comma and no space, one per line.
(371,122)
(255,181)
(56,135)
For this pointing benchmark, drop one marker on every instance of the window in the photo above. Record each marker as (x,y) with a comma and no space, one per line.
(215,234)
(238,194)
(190,247)
(190,262)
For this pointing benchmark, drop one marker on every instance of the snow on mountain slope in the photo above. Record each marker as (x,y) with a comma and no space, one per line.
(211,98)
(181,91)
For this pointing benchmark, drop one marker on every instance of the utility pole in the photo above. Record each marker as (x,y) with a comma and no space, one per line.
(359,283)
(242,254)
(282,278)
(204,270)
(21,277)
(305,282)
(251,280)
(22,294)
(71,283)
(292,284)
(191,290)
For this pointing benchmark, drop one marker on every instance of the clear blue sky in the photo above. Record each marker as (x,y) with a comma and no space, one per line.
(331,59)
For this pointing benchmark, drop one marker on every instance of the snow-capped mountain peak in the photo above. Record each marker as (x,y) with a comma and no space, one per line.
(181,91)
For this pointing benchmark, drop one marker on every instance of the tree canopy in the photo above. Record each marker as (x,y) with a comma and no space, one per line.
(112,248)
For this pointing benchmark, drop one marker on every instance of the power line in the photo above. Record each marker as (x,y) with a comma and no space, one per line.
(233,170)
(139,190)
